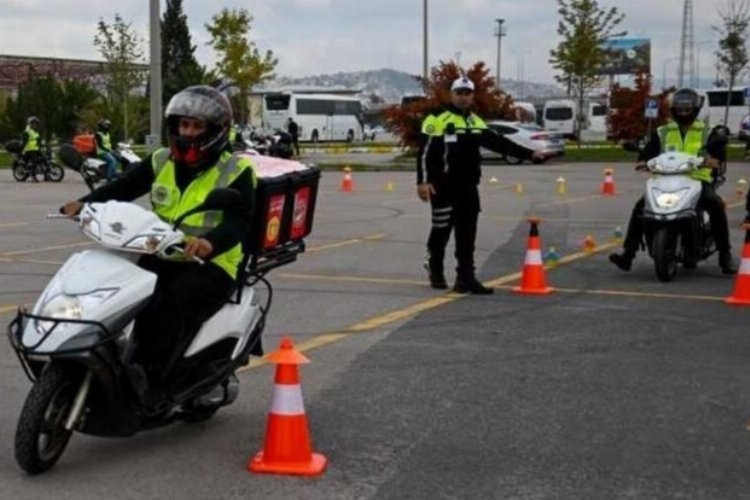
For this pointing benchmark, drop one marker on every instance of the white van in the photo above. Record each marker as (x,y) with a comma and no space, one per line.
(597,118)
(560,117)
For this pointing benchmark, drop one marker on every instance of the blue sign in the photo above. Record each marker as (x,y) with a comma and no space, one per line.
(652,109)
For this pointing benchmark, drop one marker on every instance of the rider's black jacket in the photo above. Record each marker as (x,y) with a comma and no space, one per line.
(137,181)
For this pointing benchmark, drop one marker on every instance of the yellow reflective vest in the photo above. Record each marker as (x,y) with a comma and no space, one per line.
(169,203)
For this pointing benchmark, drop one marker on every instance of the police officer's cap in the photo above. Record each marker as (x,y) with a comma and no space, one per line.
(462,83)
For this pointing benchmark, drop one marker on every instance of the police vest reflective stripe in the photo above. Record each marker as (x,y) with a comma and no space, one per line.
(436,125)
(33,143)
(671,140)
(106,144)
(169,203)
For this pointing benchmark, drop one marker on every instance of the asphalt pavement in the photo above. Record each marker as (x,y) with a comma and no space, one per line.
(615,386)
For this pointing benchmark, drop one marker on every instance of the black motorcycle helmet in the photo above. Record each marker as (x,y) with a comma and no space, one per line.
(208,105)
(684,106)
(104,125)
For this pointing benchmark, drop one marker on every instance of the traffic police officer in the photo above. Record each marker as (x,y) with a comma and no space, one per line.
(32,144)
(448,173)
(685,133)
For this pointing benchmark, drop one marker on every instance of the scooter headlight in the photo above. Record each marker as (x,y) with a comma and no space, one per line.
(148,243)
(67,307)
(668,200)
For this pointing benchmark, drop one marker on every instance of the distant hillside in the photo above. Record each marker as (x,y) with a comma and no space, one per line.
(391,85)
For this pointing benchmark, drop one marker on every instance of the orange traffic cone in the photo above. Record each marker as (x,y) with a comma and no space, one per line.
(589,244)
(608,187)
(741,294)
(533,280)
(347,183)
(287,448)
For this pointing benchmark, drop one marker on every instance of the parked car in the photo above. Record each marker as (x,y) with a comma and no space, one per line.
(528,135)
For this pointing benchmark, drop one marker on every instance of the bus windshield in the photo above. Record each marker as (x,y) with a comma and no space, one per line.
(277,102)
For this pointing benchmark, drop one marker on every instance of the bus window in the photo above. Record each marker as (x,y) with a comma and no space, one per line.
(559,114)
(277,102)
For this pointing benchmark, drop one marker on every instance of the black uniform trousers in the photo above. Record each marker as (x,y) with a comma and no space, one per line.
(186,295)
(710,201)
(454,207)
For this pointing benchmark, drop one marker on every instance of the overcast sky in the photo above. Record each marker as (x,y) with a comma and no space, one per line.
(324,36)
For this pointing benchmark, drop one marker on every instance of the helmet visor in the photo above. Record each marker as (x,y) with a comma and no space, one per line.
(199,106)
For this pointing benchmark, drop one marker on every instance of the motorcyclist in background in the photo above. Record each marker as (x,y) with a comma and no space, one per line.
(686,134)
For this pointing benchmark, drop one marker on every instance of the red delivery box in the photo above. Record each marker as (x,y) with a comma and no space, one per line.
(285,203)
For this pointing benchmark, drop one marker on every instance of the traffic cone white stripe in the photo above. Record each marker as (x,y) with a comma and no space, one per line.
(287,400)
(533,258)
(744,266)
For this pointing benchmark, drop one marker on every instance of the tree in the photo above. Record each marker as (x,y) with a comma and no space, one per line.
(122,50)
(59,105)
(179,68)
(627,121)
(405,121)
(580,55)
(240,62)
(732,57)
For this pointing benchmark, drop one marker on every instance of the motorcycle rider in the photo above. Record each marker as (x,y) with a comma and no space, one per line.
(32,145)
(104,148)
(684,133)
(179,178)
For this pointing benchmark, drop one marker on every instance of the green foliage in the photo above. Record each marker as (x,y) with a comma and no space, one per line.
(579,57)
(61,107)
(732,57)
(240,61)
(179,66)
(121,49)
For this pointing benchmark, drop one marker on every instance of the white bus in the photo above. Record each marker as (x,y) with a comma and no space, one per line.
(321,117)
(716,101)
(560,117)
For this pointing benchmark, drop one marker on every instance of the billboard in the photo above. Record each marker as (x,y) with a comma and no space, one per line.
(627,56)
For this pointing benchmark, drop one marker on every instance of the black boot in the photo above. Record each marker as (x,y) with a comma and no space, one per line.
(471,285)
(726,263)
(435,274)
(622,260)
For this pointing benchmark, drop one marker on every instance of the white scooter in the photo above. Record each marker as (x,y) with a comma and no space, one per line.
(677,230)
(94,170)
(75,344)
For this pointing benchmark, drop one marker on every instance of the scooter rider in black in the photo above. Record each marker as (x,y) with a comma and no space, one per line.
(685,133)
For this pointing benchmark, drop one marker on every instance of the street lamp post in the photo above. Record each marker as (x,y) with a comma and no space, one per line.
(500,35)
(425,65)
(155,75)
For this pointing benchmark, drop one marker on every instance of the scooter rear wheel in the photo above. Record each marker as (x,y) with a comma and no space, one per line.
(41,437)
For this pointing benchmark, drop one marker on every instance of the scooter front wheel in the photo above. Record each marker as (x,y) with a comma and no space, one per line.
(665,254)
(41,436)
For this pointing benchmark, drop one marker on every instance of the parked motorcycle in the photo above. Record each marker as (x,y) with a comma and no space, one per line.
(24,170)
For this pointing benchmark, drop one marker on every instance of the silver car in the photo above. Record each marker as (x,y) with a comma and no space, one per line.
(528,135)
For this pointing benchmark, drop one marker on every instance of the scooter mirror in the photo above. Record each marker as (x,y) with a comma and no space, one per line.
(70,157)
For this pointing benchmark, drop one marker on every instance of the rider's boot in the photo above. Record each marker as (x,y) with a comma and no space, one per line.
(726,263)
(623,260)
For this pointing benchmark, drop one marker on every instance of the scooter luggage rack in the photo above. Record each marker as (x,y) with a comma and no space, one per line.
(285,254)
(17,326)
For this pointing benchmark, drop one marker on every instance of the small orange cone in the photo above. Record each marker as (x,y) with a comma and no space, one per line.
(533,280)
(741,294)
(608,187)
(589,244)
(347,183)
(287,448)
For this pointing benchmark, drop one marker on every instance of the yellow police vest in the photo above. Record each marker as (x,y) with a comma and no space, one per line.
(33,142)
(168,202)
(106,144)
(695,139)
(435,125)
